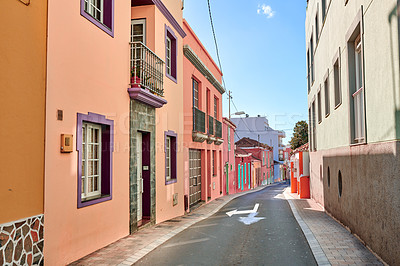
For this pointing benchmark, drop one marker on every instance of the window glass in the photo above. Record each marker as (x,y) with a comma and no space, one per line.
(95,9)
(336,75)
(319,107)
(168,158)
(91,160)
(195,94)
(215,108)
(327,103)
(168,56)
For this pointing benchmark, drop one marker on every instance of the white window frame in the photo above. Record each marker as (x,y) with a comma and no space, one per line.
(86,128)
(337,83)
(196,99)
(168,158)
(168,61)
(91,8)
(139,22)
(327,96)
(358,96)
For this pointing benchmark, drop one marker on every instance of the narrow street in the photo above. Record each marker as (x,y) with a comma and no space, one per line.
(269,236)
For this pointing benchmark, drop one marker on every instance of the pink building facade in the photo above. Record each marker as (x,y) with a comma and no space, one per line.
(203,170)
(87,129)
(229,179)
(244,174)
(112,134)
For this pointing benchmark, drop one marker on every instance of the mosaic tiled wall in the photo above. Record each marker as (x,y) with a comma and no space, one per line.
(21,242)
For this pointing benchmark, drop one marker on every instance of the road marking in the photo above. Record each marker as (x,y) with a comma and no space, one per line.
(187,242)
(251,219)
(254,210)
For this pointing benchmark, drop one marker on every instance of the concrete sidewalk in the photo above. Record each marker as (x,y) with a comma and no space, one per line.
(330,242)
(130,249)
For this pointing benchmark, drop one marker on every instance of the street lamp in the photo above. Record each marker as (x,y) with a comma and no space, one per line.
(237,113)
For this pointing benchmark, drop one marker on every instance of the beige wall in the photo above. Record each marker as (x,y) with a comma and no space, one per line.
(370,200)
(88,71)
(22,108)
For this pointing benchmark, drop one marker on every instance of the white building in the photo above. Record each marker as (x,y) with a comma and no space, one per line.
(353,102)
(257,128)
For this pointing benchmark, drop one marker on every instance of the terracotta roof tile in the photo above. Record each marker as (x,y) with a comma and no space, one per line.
(248,142)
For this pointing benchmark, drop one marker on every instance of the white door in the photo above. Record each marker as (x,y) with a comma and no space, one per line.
(139,176)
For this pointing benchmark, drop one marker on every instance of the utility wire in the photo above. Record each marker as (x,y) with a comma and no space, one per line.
(215,41)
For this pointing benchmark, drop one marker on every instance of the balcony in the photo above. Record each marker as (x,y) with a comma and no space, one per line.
(199,125)
(218,129)
(211,138)
(218,133)
(147,69)
(210,125)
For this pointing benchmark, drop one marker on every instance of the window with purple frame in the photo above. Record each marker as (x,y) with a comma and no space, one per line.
(170,54)
(94,143)
(170,149)
(100,13)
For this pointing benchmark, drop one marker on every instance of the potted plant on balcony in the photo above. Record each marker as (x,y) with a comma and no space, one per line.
(135,77)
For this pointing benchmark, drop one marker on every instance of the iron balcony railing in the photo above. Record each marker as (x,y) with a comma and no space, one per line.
(199,120)
(218,129)
(210,125)
(147,69)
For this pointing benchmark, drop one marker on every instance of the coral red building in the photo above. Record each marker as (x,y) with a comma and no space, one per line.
(254,163)
(228,157)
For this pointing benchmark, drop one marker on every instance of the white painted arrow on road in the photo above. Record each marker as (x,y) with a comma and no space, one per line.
(250,219)
(254,210)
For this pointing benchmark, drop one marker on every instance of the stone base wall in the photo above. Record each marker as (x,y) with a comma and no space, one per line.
(142,118)
(369,202)
(21,242)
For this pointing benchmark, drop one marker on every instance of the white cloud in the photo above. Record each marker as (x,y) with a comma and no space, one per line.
(265,10)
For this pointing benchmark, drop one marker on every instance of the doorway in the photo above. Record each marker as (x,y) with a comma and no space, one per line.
(143,178)
(227,177)
(194,177)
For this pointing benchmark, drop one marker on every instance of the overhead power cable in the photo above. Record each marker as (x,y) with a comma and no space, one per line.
(215,41)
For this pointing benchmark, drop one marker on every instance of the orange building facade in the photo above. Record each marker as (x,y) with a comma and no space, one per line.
(203,170)
(22,114)
(156,111)
(101,125)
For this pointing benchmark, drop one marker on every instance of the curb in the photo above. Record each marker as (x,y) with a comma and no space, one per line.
(315,247)
(150,247)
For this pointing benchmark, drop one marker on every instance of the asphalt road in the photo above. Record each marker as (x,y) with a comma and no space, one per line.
(273,237)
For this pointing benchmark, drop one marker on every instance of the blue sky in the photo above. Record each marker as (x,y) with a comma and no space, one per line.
(262,51)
